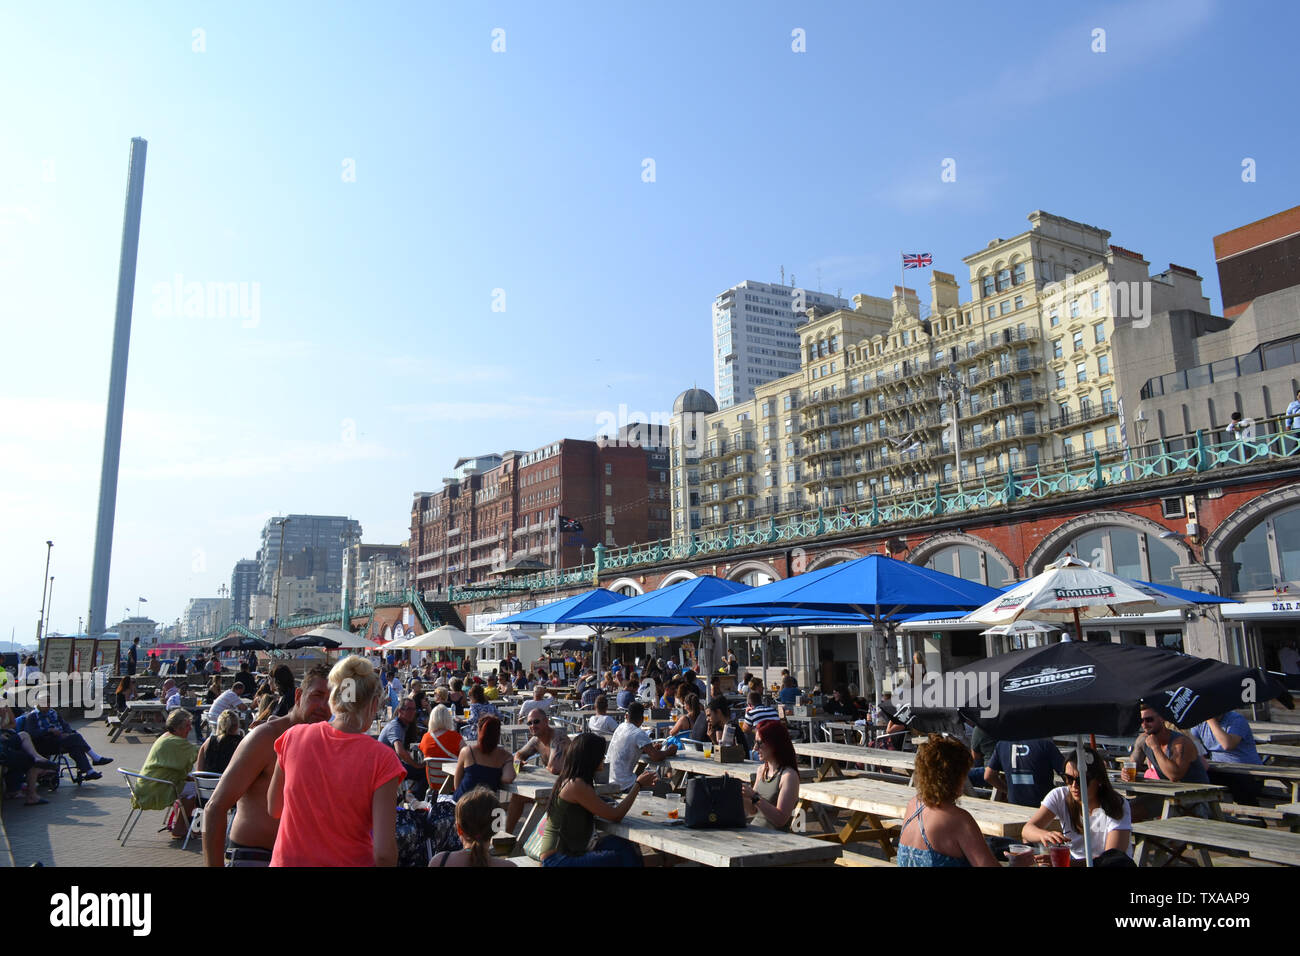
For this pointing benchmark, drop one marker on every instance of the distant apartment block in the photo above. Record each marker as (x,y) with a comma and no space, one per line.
(755,335)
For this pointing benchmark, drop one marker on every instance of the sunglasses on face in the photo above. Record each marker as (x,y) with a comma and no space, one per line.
(1150,720)
(1071,780)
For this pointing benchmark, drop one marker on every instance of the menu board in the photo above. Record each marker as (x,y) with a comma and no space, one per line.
(107,654)
(83,655)
(58,655)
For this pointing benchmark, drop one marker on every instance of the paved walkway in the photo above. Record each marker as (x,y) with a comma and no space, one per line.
(78,827)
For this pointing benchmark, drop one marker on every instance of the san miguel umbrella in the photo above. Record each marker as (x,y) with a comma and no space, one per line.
(877,587)
(1074,688)
(686,602)
(565,612)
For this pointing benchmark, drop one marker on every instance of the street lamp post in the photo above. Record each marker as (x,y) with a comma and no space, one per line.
(40,623)
(950,382)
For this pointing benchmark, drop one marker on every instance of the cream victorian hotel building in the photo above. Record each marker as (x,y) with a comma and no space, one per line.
(891,399)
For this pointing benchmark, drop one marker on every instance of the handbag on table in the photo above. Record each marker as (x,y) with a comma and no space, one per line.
(715,803)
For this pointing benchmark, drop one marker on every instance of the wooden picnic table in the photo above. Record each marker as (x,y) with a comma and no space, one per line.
(874,801)
(1272,845)
(688,762)
(1284,753)
(147,715)
(1291,813)
(834,756)
(748,846)
(1287,776)
(1175,794)
(812,723)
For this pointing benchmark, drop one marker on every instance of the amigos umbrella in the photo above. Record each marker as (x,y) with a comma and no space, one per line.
(1070,588)
(1074,688)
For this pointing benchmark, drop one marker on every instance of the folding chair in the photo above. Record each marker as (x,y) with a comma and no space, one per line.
(205,785)
(133,815)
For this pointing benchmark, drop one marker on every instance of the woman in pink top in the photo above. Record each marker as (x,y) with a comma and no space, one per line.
(335,787)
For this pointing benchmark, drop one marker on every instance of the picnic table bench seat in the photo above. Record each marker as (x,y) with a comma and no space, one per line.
(1274,845)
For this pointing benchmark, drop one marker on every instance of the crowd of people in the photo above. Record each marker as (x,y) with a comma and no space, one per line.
(311,785)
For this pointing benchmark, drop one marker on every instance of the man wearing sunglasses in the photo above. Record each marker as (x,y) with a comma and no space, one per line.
(1173,756)
(548,744)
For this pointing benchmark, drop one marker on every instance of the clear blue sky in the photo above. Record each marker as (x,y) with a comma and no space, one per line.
(376,359)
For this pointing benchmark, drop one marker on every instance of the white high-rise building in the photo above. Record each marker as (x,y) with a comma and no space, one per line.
(755,338)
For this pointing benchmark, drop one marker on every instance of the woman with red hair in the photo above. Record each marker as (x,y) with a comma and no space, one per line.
(775,792)
(484,762)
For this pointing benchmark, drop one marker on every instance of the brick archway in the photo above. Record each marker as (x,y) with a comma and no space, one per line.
(1052,543)
(827,558)
(625,583)
(677,577)
(931,546)
(745,567)
(1220,543)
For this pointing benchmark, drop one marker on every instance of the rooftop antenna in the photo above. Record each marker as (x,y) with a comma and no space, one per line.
(782,275)
(819,278)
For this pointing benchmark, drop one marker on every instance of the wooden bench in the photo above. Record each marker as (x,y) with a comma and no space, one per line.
(1200,835)
(861,859)
(1262,814)
(1242,861)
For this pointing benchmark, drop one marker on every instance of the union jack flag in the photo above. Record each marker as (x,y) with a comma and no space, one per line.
(915,260)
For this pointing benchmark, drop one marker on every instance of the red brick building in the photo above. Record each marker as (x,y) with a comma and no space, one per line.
(504,507)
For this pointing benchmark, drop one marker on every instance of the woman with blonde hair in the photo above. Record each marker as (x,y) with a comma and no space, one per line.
(441,742)
(215,752)
(335,787)
(474,815)
(936,832)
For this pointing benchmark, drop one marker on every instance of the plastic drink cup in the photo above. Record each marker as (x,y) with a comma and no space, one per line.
(1060,854)
(1020,854)
(1130,771)
(1042,856)
(708,751)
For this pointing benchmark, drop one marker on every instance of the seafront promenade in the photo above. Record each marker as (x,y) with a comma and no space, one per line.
(79,825)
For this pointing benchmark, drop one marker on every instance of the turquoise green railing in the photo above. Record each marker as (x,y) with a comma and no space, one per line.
(987,492)
(393,599)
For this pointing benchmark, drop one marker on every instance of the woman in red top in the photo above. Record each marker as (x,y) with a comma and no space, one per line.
(441,743)
(334,785)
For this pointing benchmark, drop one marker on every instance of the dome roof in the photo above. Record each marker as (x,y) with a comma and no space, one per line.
(695,400)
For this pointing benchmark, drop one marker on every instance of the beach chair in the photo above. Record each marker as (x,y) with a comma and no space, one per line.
(205,785)
(133,815)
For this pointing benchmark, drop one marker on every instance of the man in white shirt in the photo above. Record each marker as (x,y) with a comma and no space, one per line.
(171,694)
(602,723)
(629,744)
(230,698)
(539,702)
